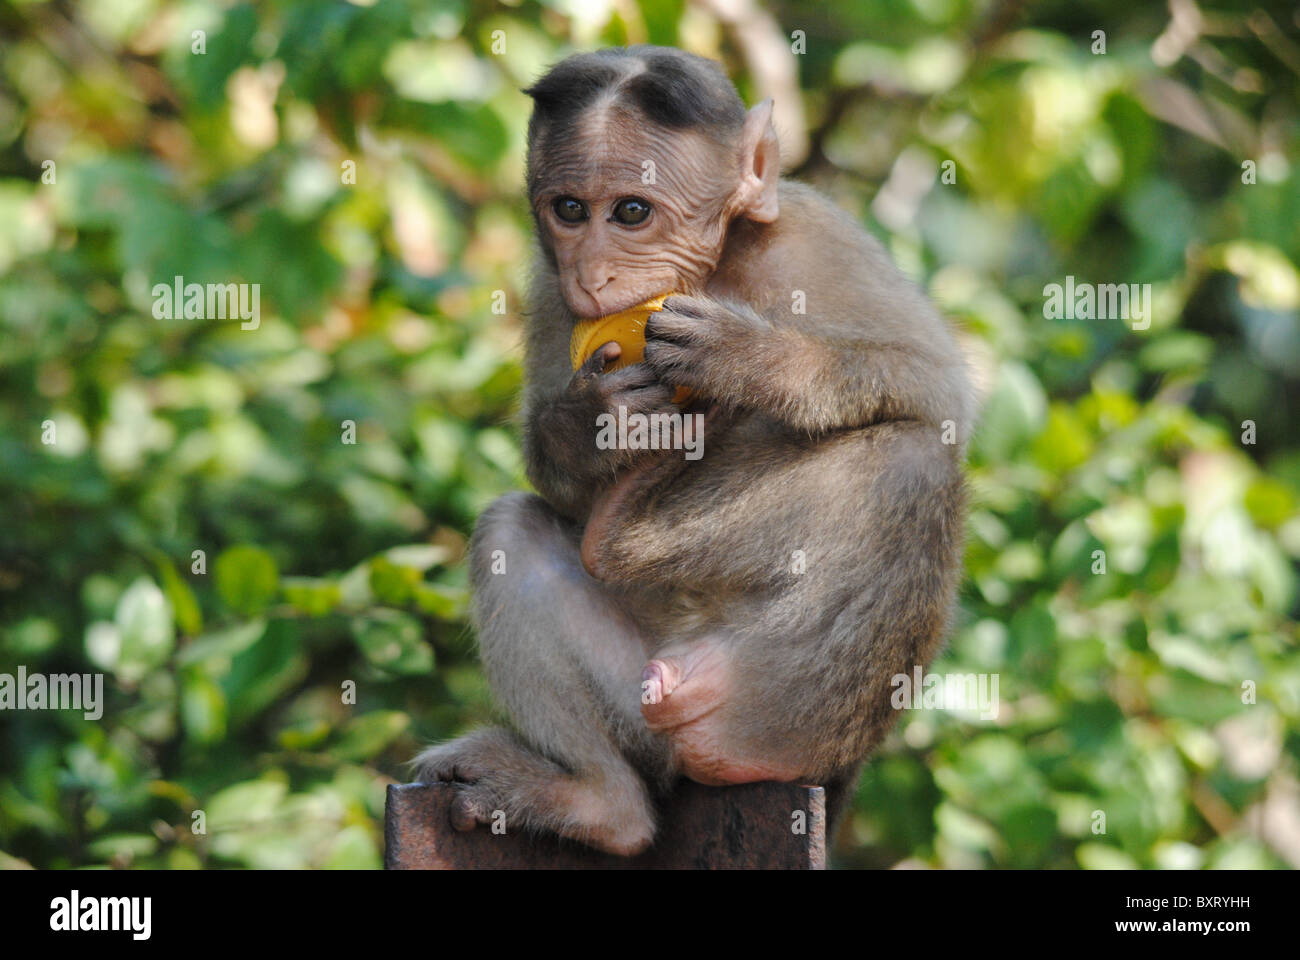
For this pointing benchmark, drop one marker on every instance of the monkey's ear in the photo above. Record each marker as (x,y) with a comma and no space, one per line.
(760,165)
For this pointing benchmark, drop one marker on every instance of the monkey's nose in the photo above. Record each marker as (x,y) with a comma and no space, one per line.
(593,283)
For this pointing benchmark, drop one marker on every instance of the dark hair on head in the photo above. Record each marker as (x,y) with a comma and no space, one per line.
(675,89)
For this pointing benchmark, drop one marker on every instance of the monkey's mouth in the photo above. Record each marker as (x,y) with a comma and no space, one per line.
(635,304)
(587,307)
(624,327)
(597,311)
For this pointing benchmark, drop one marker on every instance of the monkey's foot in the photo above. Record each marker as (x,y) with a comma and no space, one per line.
(502,782)
(469,762)
(475,803)
(467,759)
(484,765)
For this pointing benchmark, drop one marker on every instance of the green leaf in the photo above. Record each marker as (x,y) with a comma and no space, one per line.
(123,846)
(1270,502)
(1065,442)
(203,709)
(443,602)
(244,803)
(227,47)
(144,623)
(354,849)
(392,583)
(221,645)
(1013,413)
(304,734)
(312,596)
(264,672)
(1177,351)
(1100,856)
(368,734)
(247,579)
(188,616)
(30,637)
(393,641)
(471,132)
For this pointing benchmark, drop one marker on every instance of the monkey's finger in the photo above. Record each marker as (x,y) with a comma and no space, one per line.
(604,355)
(686,306)
(670,326)
(669,361)
(656,399)
(467,811)
(636,388)
(434,766)
(629,378)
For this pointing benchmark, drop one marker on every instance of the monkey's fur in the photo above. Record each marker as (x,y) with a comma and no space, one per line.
(641,576)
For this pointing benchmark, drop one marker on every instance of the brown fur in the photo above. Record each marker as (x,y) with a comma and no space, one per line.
(824,433)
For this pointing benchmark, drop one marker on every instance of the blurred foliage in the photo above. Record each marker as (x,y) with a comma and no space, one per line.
(281,614)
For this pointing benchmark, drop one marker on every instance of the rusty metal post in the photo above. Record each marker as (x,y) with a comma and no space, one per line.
(766,826)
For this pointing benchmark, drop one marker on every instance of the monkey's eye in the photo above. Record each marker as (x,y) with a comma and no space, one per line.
(631,211)
(569,210)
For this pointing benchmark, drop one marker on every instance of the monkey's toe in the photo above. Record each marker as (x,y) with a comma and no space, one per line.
(470,807)
(464,760)
(440,765)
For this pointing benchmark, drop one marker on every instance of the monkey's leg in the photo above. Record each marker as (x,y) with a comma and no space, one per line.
(564,659)
(799,682)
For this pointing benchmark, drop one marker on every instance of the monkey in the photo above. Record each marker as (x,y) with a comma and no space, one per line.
(643,617)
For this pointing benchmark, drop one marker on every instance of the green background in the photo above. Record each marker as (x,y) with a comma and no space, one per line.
(328,563)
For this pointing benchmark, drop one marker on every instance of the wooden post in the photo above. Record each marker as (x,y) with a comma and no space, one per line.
(766,826)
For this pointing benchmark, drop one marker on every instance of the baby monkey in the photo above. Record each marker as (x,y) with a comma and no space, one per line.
(736,617)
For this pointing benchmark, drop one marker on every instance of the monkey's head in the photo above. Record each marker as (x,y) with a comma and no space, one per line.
(639,159)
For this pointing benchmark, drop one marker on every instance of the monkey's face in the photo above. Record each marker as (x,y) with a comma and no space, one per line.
(628,211)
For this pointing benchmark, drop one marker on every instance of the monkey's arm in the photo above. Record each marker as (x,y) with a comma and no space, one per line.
(557,482)
(764,501)
(562,457)
(813,376)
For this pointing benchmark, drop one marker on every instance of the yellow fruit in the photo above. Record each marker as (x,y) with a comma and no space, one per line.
(627,328)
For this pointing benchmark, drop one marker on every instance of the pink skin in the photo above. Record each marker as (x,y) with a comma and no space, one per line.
(606,265)
(681,696)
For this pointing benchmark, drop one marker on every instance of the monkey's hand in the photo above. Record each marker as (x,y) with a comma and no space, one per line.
(707,345)
(567,428)
(812,376)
